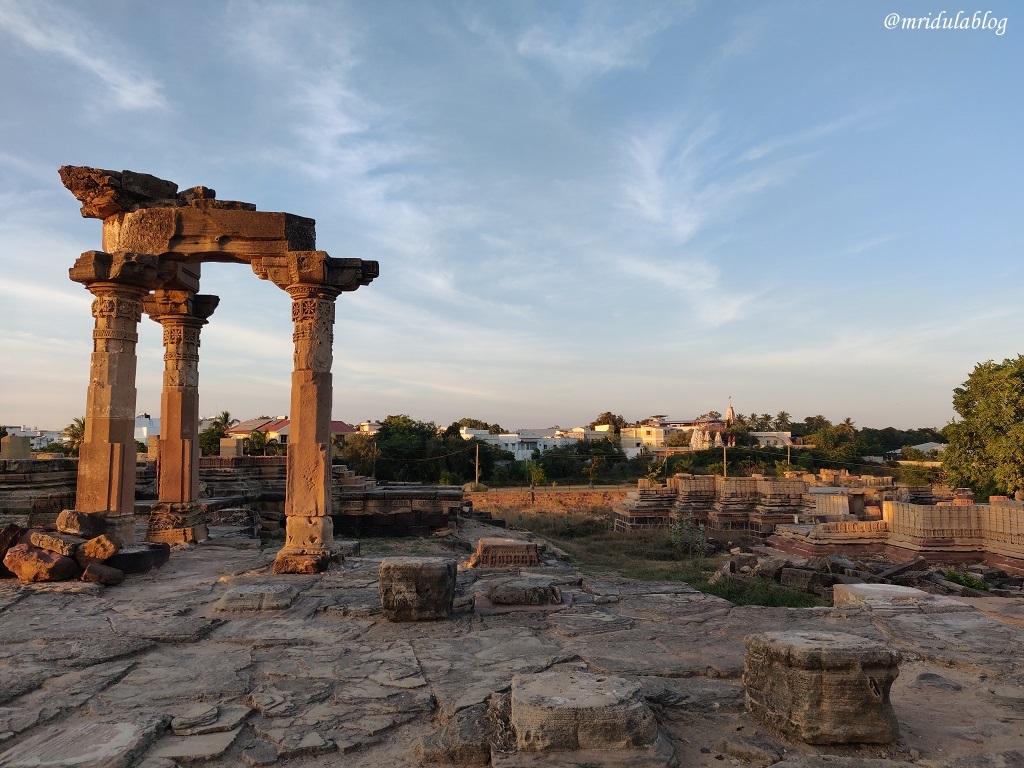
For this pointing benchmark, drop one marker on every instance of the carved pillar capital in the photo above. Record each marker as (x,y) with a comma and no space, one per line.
(315,268)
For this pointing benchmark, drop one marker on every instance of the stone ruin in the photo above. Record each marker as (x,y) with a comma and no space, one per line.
(155,239)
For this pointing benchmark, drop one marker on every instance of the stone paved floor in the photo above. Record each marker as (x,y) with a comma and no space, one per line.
(93,677)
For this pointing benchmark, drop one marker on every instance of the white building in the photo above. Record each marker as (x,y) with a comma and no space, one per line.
(38,438)
(523,442)
(146,427)
(773,439)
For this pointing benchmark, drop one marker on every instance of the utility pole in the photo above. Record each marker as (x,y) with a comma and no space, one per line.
(789,461)
(725,462)
(477,464)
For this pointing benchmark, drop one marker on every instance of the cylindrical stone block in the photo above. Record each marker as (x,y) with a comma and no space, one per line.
(417,588)
(821,687)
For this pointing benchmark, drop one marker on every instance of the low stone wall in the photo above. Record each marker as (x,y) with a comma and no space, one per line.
(545,501)
(23,481)
(993,533)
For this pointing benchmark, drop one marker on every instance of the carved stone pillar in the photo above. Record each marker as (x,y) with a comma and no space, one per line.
(313,280)
(106,466)
(176,518)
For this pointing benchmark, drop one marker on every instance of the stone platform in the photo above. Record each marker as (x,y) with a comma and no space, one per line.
(153,673)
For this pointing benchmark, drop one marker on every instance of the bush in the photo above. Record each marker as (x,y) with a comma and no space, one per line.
(967,580)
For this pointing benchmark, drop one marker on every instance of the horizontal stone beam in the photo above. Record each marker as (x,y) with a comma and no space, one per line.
(204,231)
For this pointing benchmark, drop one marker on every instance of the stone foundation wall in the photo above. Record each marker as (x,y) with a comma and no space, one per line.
(992,533)
(544,501)
(23,481)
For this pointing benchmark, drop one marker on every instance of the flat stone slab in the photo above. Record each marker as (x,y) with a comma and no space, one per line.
(572,710)
(192,748)
(90,745)
(258,597)
(892,598)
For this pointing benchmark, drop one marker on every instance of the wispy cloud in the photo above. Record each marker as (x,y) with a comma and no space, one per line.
(61,32)
(814,133)
(867,245)
(598,43)
(679,178)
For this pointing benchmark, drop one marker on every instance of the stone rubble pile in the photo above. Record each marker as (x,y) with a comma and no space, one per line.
(818,575)
(79,546)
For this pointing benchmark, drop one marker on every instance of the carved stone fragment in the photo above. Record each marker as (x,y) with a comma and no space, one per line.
(821,687)
(416,588)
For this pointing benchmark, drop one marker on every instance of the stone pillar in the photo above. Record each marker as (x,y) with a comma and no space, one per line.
(106,466)
(313,280)
(175,518)
(309,533)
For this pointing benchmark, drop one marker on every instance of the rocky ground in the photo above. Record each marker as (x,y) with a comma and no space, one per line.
(304,671)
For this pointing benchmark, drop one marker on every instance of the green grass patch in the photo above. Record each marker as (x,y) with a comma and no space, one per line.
(967,580)
(594,549)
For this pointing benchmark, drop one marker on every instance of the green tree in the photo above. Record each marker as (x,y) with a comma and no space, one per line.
(535,472)
(209,439)
(493,429)
(678,439)
(986,446)
(782,421)
(613,419)
(257,443)
(3,432)
(360,454)
(224,421)
(74,434)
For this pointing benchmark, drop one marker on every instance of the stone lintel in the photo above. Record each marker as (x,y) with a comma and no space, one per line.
(209,230)
(316,268)
(124,268)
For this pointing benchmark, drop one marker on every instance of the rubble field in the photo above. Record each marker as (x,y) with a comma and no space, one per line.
(213,660)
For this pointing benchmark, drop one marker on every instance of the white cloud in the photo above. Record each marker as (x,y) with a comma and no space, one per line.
(598,43)
(59,31)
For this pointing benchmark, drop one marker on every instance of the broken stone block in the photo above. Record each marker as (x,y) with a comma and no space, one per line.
(524,592)
(30,563)
(98,549)
(102,574)
(416,588)
(821,687)
(9,536)
(770,568)
(61,543)
(464,740)
(258,597)
(86,525)
(300,563)
(504,553)
(577,710)
(139,558)
(803,579)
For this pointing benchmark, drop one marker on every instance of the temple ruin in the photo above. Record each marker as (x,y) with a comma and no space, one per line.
(154,241)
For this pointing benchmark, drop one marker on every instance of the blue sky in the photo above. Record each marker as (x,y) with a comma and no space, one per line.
(576,206)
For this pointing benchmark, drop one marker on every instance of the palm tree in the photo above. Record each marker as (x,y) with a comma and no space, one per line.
(74,433)
(847,426)
(224,420)
(782,421)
